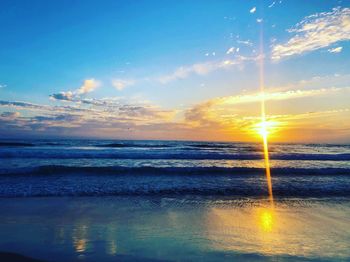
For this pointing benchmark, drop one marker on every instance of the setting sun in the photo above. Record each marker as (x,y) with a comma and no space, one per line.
(265,128)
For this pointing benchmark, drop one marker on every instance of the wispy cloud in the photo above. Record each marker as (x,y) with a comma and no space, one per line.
(21,105)
(335,50)
(121,84)
(245,42)
(2,86)
(204,68)
(231,50)
(272,4)
(314,32)
(290,94)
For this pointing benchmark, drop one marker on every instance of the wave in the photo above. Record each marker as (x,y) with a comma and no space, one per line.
(135,185)
(15,144)
(224,192)
(125,145)
(190,171)
(180,155)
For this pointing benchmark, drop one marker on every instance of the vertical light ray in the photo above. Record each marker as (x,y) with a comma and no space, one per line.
(264,131)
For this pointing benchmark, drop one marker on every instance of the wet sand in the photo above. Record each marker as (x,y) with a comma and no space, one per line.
(173,229)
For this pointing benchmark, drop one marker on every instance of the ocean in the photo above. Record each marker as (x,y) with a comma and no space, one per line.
(114,168)
(109,200)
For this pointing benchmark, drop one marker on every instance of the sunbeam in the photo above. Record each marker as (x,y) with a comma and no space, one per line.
(264,124)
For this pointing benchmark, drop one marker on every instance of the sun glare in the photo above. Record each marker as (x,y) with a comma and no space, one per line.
(265,128)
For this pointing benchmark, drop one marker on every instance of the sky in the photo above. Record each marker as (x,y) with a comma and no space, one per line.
(175,70)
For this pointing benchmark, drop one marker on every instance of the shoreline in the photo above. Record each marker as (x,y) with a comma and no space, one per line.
(179,228)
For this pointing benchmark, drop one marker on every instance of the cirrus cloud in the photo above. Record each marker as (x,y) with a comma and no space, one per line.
(121,84)
(204,68)
(335,50)
(314,32)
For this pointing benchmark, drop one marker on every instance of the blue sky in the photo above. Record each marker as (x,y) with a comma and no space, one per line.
(174,69)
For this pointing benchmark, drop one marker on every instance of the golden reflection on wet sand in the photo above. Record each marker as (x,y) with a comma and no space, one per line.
(111,234)
(112,249)
(82,243)
(253,229)
(266,217)
(280,230)
(79,238)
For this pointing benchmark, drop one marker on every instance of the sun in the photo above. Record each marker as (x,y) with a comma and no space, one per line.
(265,128)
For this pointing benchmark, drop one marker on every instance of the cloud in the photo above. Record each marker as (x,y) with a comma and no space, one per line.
(218,118)
(314,32)
(10,115)
(200,114)
(59,118)
(105,107)
(20,104)
(231,50)
(245,42)
(65,96)
(272,4)
(88,86)
(230,116)
(203,68)
(253,10)
(3,85)
(335,50)
(290,94)
(120,84)
(95,117)
(214,111)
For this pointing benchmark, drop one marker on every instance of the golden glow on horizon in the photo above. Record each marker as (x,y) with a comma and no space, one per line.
(266,128)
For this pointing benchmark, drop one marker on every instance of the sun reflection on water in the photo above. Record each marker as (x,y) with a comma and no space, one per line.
(112,249)
(246,229)
(266,219)
(80,245)
(80,238)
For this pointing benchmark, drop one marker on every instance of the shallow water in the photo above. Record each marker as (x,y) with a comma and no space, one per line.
(185,229)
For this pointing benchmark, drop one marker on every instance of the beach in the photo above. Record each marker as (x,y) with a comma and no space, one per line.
(175,229)
(99,200)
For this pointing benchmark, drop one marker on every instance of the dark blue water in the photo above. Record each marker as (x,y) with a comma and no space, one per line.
(110,167)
